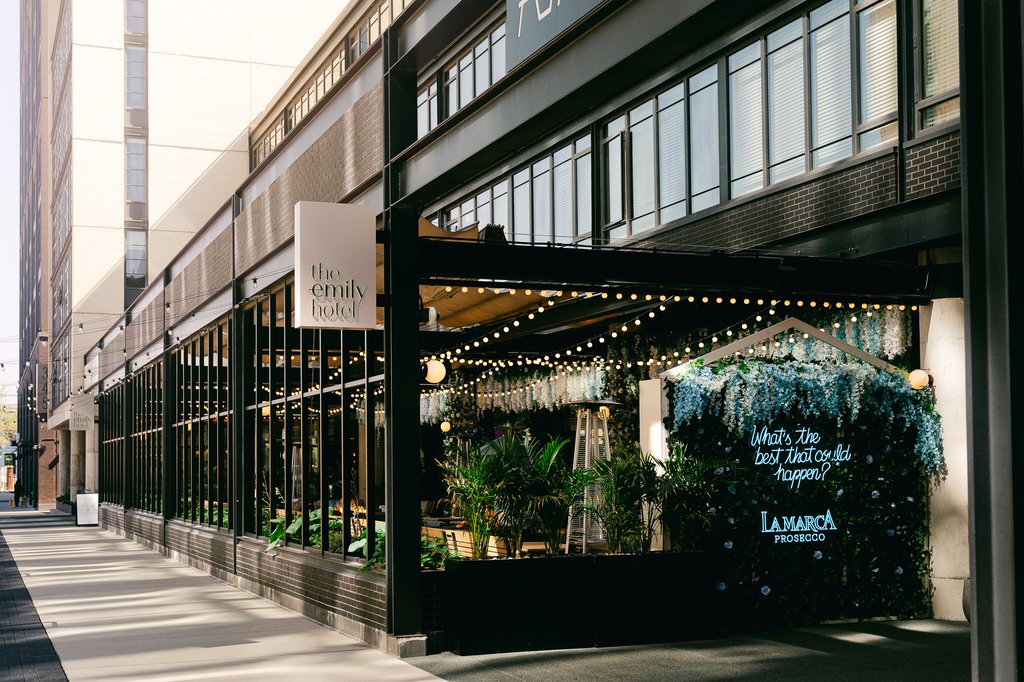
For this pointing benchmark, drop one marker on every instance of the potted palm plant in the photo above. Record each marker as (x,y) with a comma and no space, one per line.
(649,596)
(499,488)
(560,487)
(472,476)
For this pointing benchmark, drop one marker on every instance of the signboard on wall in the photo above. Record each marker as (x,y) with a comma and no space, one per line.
(797,459)
(532,24)
(83,413)
(335,266)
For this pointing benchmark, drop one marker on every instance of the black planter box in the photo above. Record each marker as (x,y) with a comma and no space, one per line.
(500,605)
(657,597)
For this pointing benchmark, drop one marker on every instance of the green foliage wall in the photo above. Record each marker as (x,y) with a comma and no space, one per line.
(870,470)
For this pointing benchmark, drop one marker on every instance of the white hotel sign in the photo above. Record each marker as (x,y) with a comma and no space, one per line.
(335,266)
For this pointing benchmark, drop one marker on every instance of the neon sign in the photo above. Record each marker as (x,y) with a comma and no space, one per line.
(808,528)
(796,456)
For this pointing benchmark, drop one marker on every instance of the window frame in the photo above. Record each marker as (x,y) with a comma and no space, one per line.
(922,103)
(450,98)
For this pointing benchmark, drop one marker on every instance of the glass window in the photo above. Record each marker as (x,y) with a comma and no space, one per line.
(500,205)
(671,154)
(562,198)
(642,166)
(940,60)
(542,202)
(876,46)
(831,87)
(483,209)
(944,112)
(135,76)
(584,198)
(498,53)
(135,259)
(745,125)
(135,169)
(876,30)
(466,93)
(786,102)
(521,207)
(451,90)
(135,17)
(704,167)
(482,58)
(422,113)
(471,74)
(613,172)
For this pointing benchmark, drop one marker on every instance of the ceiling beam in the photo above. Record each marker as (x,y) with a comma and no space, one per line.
(561,267)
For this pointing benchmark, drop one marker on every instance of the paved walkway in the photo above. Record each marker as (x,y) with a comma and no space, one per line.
(115,610)
(891,651)
(25,651)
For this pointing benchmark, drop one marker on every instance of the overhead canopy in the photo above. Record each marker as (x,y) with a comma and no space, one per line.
(468,281)
(447,260)
(456,308)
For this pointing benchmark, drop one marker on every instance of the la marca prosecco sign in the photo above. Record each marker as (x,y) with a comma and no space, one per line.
(335,266)
(797,458)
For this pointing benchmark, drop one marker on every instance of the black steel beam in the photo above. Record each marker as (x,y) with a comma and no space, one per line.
(561,267)
(401,369)
(993,175)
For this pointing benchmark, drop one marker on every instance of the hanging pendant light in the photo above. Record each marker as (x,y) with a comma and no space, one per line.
(435,371)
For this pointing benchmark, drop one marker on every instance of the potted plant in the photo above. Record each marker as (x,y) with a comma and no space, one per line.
(687,495)
(648,596)
(470,476)
(500,488)
(560,488)
(629,500)
(515,484)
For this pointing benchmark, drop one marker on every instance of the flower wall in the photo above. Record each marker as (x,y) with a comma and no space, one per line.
(885,333)
(817,508)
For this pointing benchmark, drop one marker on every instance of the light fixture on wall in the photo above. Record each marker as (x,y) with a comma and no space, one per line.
(446,427)
(919,379)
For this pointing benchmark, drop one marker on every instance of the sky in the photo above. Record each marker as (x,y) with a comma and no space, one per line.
(9,89)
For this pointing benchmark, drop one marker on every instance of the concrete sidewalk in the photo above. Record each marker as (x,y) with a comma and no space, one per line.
(889,651)
(115,610)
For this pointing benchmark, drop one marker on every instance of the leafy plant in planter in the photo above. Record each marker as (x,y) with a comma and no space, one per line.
(379,558)
(470,477)
(630,499)
(560,488)
(293,531)
(433,552)
(687,492)
(516,484)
